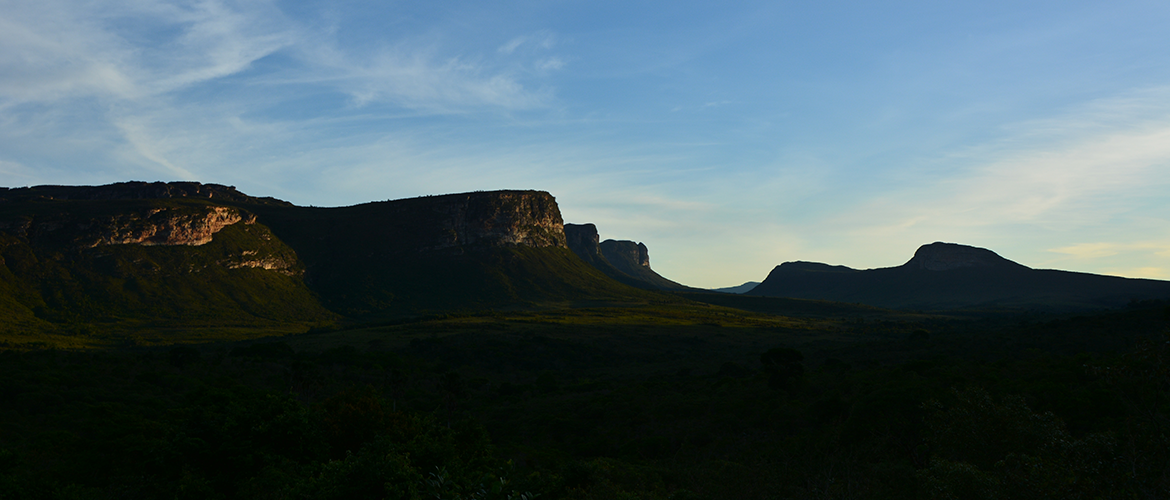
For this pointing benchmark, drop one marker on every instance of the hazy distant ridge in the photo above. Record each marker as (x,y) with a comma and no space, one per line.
(952,276)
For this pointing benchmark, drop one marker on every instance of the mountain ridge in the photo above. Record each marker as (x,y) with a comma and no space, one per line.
(953,276)
(120,256)
(623,260)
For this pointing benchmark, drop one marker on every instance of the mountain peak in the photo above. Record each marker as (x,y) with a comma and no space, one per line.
(939,256)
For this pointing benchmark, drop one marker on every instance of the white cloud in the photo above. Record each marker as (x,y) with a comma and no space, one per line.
(142,142)
(412,79)
(1077,177)
(1073,171)
(128,50)
(551,63)
(512,44)
(1089,250)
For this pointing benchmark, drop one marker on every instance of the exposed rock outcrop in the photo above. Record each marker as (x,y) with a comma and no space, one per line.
(189,249)
(625,261)
(627,256)
(583,240)
(252,259)
(499,218)
(162,226)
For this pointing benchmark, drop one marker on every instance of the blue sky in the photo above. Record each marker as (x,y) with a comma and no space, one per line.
(729,137)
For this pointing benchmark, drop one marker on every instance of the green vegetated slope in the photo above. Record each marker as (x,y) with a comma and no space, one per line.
(632,259)
(69,277)
(381,260)
(624,261)
(59,287)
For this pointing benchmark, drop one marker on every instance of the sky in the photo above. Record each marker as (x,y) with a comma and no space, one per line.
(729,137)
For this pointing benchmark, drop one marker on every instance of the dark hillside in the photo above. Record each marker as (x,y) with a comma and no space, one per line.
(945,276)
(89,267)
(135,191)
(624,261)
(453,252)
(101,262)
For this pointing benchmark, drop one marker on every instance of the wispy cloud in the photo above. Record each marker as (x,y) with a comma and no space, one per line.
(552,63)
(1109,249)
(134,72)
(417,78)
(129,50)
(1121,259)
(1059,181)
(144,144)
(512,45)
(1079,176)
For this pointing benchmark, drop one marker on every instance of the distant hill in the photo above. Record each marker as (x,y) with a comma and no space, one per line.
(622,260)
(94,258)
(951,276)
(744,288)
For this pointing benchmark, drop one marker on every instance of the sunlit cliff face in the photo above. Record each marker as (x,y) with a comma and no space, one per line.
(500,218)
(164,227)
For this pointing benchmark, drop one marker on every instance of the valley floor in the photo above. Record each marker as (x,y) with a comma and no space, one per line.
(731,398)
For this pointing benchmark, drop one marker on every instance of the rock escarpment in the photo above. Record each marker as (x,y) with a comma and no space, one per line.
(78,228)
(480,249)
(162,226)
(500,218)
(625,261)
(627,256)
(114,254)
(189,250)
(583,240)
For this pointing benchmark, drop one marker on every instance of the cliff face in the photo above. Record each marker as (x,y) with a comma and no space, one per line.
(189,250)
(162,226)
(86,228)
(624,261)
(147,226)
(626,255)
(583,239)
(500,218)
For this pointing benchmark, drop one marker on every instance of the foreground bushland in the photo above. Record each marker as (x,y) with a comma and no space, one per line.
(503,408)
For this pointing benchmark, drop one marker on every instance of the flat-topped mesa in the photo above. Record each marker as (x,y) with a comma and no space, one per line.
(583,238)
(626,254)
(497,218)
(939,256)
(135,191)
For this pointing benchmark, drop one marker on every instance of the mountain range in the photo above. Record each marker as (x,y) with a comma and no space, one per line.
(86,259)
(135,253)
